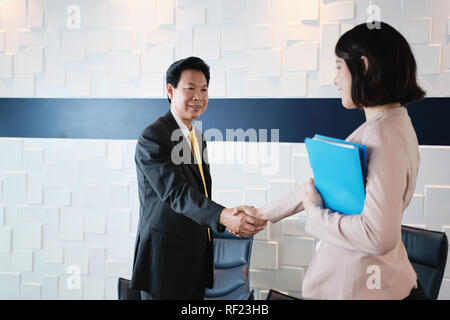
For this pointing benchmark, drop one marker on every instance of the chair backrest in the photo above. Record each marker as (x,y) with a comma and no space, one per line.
(277,295)
(125,292)
(231,268)
(427,252)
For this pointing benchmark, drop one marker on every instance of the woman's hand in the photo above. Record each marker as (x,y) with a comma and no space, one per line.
(312,196)
(252,215)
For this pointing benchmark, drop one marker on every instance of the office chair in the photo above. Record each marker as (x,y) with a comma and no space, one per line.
(427,252)
(277,295)
(231,268)
(125,292)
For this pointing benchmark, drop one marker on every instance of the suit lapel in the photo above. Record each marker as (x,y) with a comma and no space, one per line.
(172,124)
(206,169)
(193,166)
(205,165)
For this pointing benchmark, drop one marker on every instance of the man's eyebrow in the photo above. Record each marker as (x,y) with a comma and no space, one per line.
(193,84)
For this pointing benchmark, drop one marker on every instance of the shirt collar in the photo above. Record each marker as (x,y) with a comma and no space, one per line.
(183,127)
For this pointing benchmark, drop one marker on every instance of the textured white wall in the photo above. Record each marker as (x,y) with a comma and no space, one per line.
(70,202)
(256,48)
(74,202)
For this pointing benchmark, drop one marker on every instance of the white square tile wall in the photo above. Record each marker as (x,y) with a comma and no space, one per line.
(117,45)
(88,220)
(73,203)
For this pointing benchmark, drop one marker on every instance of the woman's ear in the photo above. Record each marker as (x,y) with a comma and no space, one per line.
(366,63)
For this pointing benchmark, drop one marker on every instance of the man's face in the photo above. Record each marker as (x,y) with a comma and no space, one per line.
(190,98)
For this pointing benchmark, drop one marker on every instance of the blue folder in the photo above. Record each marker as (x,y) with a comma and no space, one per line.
(339,169)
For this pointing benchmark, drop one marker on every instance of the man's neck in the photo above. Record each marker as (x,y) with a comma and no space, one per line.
(187,123)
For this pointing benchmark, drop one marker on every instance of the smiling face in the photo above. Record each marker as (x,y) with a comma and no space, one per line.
(343,81)
(190,98)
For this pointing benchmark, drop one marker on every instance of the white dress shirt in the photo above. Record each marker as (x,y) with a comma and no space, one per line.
(184,128)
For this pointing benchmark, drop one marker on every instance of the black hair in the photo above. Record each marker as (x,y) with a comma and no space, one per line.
(191,63)
(391,73)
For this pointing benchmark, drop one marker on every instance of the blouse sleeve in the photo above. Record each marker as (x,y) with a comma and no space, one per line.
(285,205)
(376,230)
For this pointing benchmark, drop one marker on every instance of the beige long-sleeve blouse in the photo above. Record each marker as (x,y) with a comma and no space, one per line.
(363,256)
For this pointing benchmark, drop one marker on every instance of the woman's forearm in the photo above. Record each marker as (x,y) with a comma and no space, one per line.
(285,205)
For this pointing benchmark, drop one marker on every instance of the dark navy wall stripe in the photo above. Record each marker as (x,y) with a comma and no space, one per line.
(126,118)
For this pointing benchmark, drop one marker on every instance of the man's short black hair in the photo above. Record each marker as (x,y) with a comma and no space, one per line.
(391,74)
(191,63)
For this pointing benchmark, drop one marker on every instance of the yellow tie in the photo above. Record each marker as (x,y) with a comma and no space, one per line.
(198,158)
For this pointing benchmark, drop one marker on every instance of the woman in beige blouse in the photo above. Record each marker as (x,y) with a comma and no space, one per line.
(363,256)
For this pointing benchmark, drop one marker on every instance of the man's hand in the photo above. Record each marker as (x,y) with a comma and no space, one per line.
(241,224)
(251,211)
(312,196)
(252,215)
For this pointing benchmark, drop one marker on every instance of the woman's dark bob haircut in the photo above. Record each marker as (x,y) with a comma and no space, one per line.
(391,72)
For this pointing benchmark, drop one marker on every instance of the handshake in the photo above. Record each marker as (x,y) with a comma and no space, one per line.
(243,221)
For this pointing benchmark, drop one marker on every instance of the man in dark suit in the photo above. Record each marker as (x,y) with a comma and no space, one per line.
(173,256)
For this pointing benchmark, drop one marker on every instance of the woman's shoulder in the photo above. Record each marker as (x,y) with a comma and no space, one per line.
(390,142)
(385,130)
(371,133)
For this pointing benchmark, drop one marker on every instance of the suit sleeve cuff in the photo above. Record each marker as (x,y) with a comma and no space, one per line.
(216,226)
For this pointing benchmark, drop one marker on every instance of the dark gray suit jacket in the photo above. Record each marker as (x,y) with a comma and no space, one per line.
(172,251)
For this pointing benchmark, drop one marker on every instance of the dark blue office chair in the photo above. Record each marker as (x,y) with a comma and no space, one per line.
(125,292)
(277,295)
(231,268)
(427,252)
